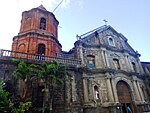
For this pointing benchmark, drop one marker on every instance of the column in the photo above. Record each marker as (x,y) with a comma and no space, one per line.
(136,91)
(140,92)
(73,89)
(85,90)
(91,88)
(106,58)
(103,57)
(141,68)
(127,63)
(28,46)
(67,96)
(110,93)
(114,90)
(81,53)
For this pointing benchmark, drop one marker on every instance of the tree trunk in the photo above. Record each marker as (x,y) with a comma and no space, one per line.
(23,89)
(25,93)
(51,99)
(45,98)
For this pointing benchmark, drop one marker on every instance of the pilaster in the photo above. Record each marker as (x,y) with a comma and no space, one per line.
(85,89)
(106,58)
(127,62)
(103,57)
(114,90)
(80,52)
(136,91)
(110,93)
(140,66)
(140,92)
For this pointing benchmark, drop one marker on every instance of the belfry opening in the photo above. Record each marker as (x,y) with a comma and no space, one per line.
(41,49)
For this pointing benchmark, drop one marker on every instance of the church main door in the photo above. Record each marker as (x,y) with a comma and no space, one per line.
(124,96)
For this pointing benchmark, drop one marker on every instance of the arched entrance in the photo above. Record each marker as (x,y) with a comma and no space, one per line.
(124,96)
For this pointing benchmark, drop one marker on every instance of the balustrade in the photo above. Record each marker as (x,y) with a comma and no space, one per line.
(6,54)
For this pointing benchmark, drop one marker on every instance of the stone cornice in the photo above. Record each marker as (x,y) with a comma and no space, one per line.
(109,48)
(38,34)
(114,71)
(44,11)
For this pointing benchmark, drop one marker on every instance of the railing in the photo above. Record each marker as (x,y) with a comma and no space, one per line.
(6,54)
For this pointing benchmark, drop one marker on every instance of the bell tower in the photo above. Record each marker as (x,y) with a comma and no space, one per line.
(38,33)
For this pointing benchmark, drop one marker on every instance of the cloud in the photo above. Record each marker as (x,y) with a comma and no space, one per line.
(11,11)
(80,4)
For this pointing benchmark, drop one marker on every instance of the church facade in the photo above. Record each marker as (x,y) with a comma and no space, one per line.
(114,78)
(109,78)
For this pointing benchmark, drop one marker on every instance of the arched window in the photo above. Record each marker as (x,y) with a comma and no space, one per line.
(91,61)
(116,63)
(22,47)
(111,41)
(96,93)
(41,49)
(43,23)
(134,66)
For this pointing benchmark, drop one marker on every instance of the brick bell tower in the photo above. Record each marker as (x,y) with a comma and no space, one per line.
(38,33)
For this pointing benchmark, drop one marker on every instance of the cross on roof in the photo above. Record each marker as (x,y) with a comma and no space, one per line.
(105,22)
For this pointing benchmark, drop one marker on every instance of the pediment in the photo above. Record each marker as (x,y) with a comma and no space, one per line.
(101,35)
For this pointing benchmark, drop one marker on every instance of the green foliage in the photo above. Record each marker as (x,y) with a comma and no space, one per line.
(4,99)
(24,71)
(14,60)
(24,106)
(50,73)
(53,73)
(6,105)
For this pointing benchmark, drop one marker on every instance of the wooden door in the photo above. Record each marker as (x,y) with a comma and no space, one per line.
(124,96)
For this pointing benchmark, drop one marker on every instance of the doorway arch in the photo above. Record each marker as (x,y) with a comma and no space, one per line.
(125,97)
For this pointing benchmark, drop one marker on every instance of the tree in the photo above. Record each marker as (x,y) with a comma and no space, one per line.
(6,106)
(4,99)
(52,74)
(24,72)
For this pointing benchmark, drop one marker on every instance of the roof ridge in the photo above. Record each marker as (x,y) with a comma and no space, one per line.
(42,7)
(92,31)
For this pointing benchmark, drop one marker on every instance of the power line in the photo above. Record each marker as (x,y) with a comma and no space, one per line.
(58,5)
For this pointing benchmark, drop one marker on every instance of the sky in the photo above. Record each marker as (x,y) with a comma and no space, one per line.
(129,17)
